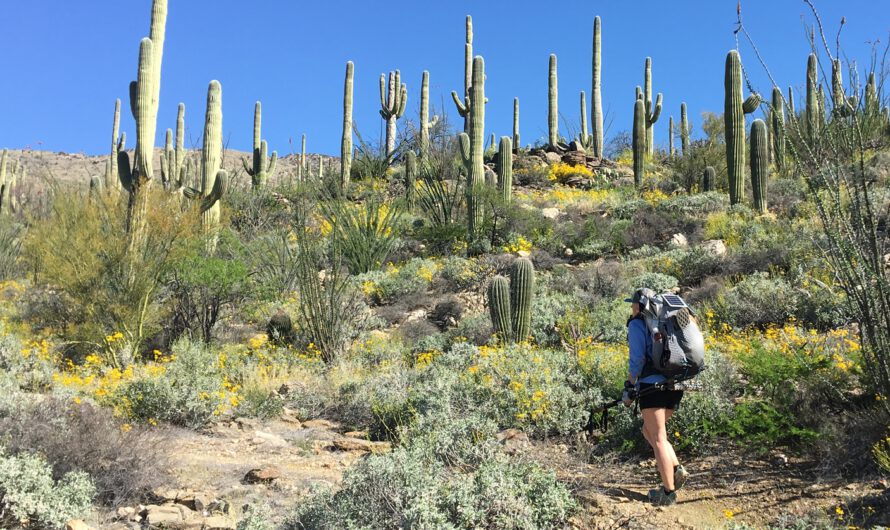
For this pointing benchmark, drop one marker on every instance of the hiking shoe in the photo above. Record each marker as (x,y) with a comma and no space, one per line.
(680,477)
(658,497)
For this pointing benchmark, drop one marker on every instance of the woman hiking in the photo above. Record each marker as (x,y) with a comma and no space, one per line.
(657,406)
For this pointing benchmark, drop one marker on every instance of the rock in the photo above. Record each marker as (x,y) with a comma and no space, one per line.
(550,213)
(513,440)
(679,241)
(447,314)
(260,437)
(320,424)
(716,247)
(780,460)
(263,475)
(77,524)
(362,435)
(575,158)
(552,158)
(125,512)
(366,446)
(567,252)
(168,515)
(624,182)
(219,522)
(417,314)
(250,424)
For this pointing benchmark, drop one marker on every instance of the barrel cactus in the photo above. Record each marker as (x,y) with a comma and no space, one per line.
(759,164)
(509,303)
(734,121)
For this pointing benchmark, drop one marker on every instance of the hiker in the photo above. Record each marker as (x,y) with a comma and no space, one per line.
(657,406)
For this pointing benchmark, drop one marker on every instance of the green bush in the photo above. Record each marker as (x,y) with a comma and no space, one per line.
(30,495)
(30,365)
(10,247)
(658,282)
(188,393)
(395,281)
(757,300)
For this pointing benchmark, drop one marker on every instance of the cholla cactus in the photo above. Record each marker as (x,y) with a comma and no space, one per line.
(262,168)
(392,103)
(734,120)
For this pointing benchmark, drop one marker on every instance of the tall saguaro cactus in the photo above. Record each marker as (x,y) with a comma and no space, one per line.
(472,145)
(214,179)
(509,302)
(734,122)
(759,164)
(586,140)
(639,140)
(425,121)
(596,107)
(871,96)
(174,169)
(410,177)
(468,73)
(684,130)
(652,113)
(112,182)
(392,102)
(302,173)
(346,140)
(671,135)
(552,104)
(505,168)
(778,126)
(262,168)
(813,113)
(516,144)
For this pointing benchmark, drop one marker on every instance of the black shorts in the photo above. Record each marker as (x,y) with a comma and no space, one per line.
(659,399)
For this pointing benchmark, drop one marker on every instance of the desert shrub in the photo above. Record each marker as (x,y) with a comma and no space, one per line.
(203,287)
(81,251)
(688,266)
(656,281)
(461,274)
(757,300)
(31,364)
(273,258)
(10,247)
(255,519)
(366,234)
(31,496)
(188,391)
(256,212)
(395,281)
(125,462)
(548,306)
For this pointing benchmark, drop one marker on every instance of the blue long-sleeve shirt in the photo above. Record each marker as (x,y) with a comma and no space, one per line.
(640,344)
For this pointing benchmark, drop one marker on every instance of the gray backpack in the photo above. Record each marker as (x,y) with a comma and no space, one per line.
(678,348)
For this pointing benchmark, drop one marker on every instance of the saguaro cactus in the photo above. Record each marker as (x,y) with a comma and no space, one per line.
(843,106)
(791,108)
(468,73)
(410,177)
(112,182)
(871,96)
(4,186)
(812,111)
(671,135)
(392,103)
(516,144)
(734,122)
(586,140)
(425,121)
(639,140)
(652,113)
(509,302)
(708,178)
(596,110)
(213,179)
(261,170)
(552,104)
(302,172)
(505,168)
(778,126)
(759,164)
(346,140)
(174,169)
(472,145)
(684,129)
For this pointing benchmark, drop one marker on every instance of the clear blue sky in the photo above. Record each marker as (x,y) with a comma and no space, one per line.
(66,62)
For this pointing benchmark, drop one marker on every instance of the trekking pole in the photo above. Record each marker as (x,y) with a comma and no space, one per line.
(674,383)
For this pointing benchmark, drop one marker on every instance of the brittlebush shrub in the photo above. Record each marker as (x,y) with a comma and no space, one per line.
(80,251)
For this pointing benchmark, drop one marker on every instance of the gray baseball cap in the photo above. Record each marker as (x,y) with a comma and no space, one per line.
(641,296)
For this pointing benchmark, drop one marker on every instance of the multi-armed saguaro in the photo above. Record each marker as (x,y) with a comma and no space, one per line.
(144,97)
(425,121)
(472,145)
(509,302)
(734,121)
(596,107)
(346,140)
(468,72)
(174,167)
(392,103)
(652,113)
(552,104)
(262,168)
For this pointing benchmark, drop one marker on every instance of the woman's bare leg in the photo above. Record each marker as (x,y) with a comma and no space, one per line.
(655,419)
(667,415)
